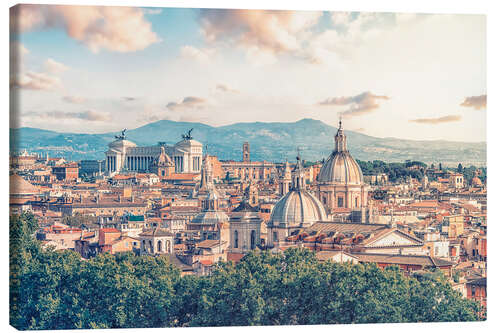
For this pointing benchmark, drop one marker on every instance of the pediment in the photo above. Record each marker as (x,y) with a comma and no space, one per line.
(394,238)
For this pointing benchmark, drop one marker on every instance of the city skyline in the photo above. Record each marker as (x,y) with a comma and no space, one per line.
(226,66)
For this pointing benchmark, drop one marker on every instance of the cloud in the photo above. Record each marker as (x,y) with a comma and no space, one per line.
(476,102)
(17,52)
(74,99)
(187,103)
(129,99)
(152,11)
(200,55)
(269,31)
(363,103)
(434,121)
(349,31)
(53,66)
(119,29)
(35,81)
(224,88)
(89,115)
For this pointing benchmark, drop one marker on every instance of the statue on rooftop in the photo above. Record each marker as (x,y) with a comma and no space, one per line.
(188,135)
(121,136)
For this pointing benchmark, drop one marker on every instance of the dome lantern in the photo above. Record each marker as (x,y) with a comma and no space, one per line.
(340,139)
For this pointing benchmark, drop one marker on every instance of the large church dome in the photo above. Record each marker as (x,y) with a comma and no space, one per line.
(298,207)
(341,167)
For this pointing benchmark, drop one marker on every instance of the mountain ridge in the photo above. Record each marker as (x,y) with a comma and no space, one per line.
(272,141)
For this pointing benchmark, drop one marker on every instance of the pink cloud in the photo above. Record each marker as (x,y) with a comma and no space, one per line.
(35,81)
(434,121)
(476,102)
(188,103)
(358,105)
(53,66)
(120,29)
(268,30)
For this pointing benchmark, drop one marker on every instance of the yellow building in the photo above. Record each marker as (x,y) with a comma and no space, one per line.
(455,224)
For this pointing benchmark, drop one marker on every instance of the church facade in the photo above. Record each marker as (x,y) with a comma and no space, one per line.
(125,155)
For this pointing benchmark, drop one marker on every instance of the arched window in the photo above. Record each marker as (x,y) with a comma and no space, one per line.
(159,246)
(252,240)
(356,202)
(151,245)
(236,239)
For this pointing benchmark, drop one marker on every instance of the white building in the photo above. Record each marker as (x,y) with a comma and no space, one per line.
(124,155)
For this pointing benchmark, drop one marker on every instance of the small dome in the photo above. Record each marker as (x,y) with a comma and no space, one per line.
(21,187)
(210,217)
(476,181)
(163,159)
(297,208)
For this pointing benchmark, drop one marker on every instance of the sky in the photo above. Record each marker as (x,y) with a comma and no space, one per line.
(90,69)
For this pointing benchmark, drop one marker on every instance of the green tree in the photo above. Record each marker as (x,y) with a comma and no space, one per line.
(58,290)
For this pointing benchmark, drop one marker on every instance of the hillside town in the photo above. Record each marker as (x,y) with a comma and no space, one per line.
(181,202)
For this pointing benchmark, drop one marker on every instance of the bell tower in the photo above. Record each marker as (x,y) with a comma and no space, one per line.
(246,152)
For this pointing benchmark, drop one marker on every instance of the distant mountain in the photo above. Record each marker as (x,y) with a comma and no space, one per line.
(268,141)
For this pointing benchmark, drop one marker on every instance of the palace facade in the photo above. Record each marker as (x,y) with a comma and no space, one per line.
(247,169)
(125,155)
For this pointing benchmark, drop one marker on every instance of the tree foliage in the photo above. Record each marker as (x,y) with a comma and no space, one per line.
(59,290)
(395,171)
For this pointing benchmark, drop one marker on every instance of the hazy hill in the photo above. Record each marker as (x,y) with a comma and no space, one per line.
(268,141)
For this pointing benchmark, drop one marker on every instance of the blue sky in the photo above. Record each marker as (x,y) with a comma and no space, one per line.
(99,69)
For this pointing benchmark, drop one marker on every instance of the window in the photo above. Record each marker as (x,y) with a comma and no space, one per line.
(236,239)
(340,202)
(159,246)
(356,202)
(275,236)
(252,240)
